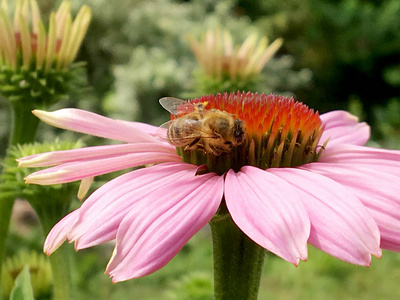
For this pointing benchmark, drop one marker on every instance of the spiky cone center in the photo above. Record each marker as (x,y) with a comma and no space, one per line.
(280,132)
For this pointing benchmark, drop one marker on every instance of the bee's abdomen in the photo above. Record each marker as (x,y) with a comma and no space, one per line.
(183,131)
(175,135)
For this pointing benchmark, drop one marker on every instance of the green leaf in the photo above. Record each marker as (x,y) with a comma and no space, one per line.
(22,289)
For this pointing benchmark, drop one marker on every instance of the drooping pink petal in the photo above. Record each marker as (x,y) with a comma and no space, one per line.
(342,127)
(54,158)
(340,224)
(58,234)
(377,159)
(377,190)
(153,233)
(103,211)
(391,241)
(84,187)
(90,123)
(268,210)
(78,170)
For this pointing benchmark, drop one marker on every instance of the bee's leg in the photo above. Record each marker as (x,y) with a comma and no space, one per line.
(201,147)
(209,148)
(192,145)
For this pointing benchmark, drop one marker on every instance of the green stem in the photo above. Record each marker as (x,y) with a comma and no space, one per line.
(61,271)
(238,261)
(60,260)
(6,205)
(23,129)
(24,123)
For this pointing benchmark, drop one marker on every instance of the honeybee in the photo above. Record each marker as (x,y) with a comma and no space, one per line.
(213,131)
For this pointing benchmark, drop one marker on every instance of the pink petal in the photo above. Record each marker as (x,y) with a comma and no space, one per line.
(340,224)
(74,171)
(268,210)
(102,212)
(155,231)
(377,190)
(94,124)
(342,127)
(58,234)
(391,243)
(89,153)
(143,127)
(378,159)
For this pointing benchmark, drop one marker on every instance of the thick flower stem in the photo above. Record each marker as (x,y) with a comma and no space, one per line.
(24,123)
(60,260)
(6,205)
(23,129)
(61,271)
(238,261)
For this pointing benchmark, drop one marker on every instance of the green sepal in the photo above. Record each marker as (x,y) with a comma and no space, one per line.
(12,179)
(40,88)
(206,85)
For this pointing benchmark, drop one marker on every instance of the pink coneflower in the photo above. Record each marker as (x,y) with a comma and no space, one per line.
(300,178)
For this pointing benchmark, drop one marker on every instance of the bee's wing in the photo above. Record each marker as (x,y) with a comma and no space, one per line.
(161,132)
(171,104)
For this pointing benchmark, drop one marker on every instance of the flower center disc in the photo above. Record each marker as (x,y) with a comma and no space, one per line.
(280,132)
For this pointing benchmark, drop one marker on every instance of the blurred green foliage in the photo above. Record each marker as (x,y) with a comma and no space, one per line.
(351,46)
(37,281)
(22,288)
(387,130)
